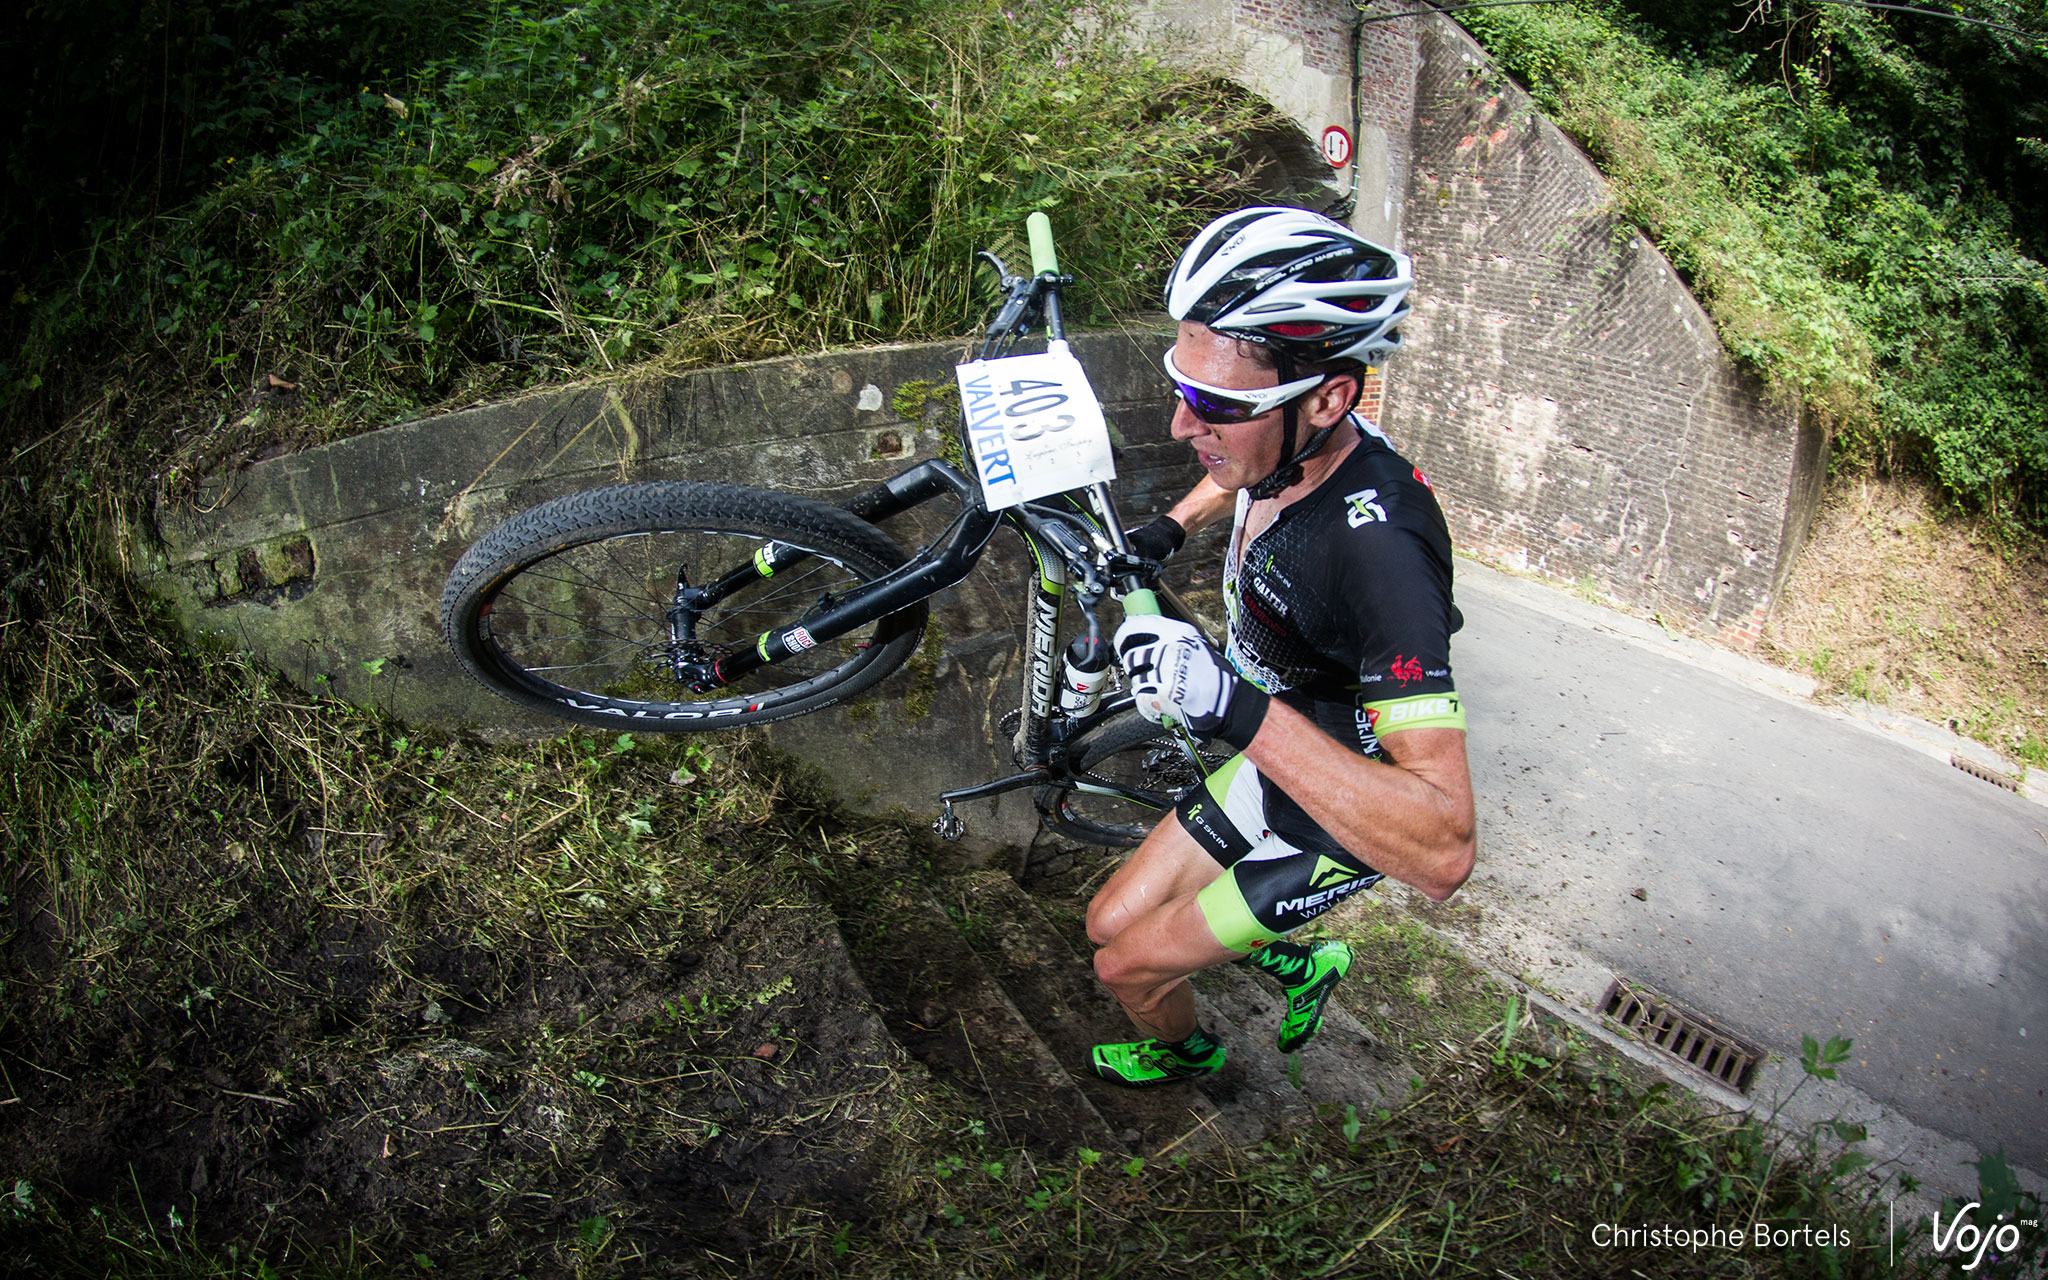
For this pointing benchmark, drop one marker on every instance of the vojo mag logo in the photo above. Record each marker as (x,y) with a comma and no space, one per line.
(1971,1240)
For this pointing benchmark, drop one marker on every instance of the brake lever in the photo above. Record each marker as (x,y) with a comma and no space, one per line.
(1122,564)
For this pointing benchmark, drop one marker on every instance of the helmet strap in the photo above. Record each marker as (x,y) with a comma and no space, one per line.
(1288,472)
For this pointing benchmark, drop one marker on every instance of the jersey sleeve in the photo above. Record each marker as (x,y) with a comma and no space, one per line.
(1395,582)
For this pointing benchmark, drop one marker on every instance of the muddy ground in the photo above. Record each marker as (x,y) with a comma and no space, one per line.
(286,979)
(608,1012)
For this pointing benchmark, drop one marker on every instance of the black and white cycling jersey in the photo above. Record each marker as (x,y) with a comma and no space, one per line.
(1342,608)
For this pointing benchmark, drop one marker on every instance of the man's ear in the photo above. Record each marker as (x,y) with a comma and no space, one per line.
(1329,403)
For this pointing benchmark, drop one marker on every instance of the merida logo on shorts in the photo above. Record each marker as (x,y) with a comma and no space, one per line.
(1314,902)
(1328,872)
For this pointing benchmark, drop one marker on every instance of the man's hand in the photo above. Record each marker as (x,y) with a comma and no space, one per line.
(1176,678)
(1156,541)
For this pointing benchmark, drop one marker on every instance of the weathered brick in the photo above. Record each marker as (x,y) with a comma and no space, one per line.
(1559,383)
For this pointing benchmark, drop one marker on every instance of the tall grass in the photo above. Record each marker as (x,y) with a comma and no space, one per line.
(597,185)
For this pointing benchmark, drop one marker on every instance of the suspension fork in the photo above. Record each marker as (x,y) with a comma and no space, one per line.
(931,570)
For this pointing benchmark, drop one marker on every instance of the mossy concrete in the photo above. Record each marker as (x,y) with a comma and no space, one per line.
(329,563)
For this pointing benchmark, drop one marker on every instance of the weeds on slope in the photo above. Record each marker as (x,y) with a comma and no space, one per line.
(592,187)
(293,989)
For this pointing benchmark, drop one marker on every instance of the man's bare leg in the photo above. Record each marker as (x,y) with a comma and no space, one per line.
(1152,935)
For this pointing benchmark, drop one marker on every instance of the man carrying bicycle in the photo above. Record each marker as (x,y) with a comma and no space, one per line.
(1336,687)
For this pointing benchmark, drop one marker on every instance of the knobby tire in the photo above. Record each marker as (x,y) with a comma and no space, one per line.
(564,607)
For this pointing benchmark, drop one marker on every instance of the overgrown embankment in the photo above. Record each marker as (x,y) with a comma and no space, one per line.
(292,990)
(1818,178)
(560,191)
(1856,196)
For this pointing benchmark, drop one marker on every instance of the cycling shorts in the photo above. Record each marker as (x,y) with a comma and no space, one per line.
(1270,885)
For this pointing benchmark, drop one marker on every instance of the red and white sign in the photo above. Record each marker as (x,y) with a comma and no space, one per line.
(1336,146)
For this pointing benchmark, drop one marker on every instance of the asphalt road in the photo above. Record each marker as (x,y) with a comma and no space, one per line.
(1799,874)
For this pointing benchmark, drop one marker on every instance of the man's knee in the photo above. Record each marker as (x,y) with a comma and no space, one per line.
(1134,982)
(1103,920)
(1111,967)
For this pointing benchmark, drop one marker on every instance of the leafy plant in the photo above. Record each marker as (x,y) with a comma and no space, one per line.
(585,188)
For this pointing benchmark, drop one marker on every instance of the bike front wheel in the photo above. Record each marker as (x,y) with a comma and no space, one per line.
(570,607)
(1143,762)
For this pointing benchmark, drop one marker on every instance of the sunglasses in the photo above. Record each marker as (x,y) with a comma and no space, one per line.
(1222,406)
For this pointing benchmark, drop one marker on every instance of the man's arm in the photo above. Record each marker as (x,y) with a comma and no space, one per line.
(1411,817)
(1205,504)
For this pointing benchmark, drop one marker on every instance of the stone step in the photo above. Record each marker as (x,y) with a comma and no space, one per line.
(1057,992)
(1256,1091)
(1259,1089)
(948,1012)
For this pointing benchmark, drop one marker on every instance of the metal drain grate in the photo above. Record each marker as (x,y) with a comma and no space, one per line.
(1674,1030)
(1992,776)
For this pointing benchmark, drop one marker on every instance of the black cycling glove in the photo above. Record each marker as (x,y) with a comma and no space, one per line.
(1158,540)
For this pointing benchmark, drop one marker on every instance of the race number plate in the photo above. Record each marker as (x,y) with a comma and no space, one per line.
(1036,425)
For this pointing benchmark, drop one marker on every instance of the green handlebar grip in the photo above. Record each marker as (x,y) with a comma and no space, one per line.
(1043,260)
(1141,604)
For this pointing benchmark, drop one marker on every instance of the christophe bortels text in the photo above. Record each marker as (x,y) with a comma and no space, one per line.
(1612,1235)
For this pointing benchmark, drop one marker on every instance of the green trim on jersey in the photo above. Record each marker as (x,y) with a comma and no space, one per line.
(1422,711)
(1217,784)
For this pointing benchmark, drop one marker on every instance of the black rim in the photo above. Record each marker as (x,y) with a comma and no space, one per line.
(599,608)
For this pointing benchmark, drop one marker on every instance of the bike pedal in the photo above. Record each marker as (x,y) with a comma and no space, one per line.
(949,826)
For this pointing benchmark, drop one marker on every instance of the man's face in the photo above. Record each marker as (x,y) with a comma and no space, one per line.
(1236,454)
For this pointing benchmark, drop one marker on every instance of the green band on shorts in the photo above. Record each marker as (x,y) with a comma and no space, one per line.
(1229,917)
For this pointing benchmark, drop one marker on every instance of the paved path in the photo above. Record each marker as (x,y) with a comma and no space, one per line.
(1800,871)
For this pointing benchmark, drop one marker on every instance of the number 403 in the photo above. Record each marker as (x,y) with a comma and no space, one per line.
(1037,398)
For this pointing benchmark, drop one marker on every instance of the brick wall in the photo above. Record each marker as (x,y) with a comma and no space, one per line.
(1567,395)
(1387,59)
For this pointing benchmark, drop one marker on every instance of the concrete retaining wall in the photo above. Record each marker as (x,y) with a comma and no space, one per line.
(330,563)
(1566,393)
(1296,54)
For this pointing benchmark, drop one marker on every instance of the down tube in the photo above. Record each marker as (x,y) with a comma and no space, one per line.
(1041,655)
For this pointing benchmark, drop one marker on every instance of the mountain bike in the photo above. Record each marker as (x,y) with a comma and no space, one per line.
(682,607)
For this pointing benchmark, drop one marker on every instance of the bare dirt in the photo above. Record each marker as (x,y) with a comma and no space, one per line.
(1931,614)
(319,1048)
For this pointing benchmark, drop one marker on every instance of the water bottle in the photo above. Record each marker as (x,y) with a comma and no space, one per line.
(1087,672)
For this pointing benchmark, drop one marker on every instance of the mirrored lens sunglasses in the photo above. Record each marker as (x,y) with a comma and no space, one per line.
(1221,406)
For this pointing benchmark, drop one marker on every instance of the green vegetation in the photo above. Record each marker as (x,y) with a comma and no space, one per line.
(517,982)
(1823,179)
(560,191)
(536,1009)
(291,989)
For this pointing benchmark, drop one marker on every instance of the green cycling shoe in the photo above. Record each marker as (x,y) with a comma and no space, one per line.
(1140,1064)
(1326,964)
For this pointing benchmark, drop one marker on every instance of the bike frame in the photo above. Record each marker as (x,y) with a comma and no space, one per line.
(1080,550)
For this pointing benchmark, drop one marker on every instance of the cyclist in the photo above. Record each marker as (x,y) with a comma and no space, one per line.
(1336,685)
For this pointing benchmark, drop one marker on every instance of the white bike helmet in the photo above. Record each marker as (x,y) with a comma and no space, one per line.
(1309,288)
